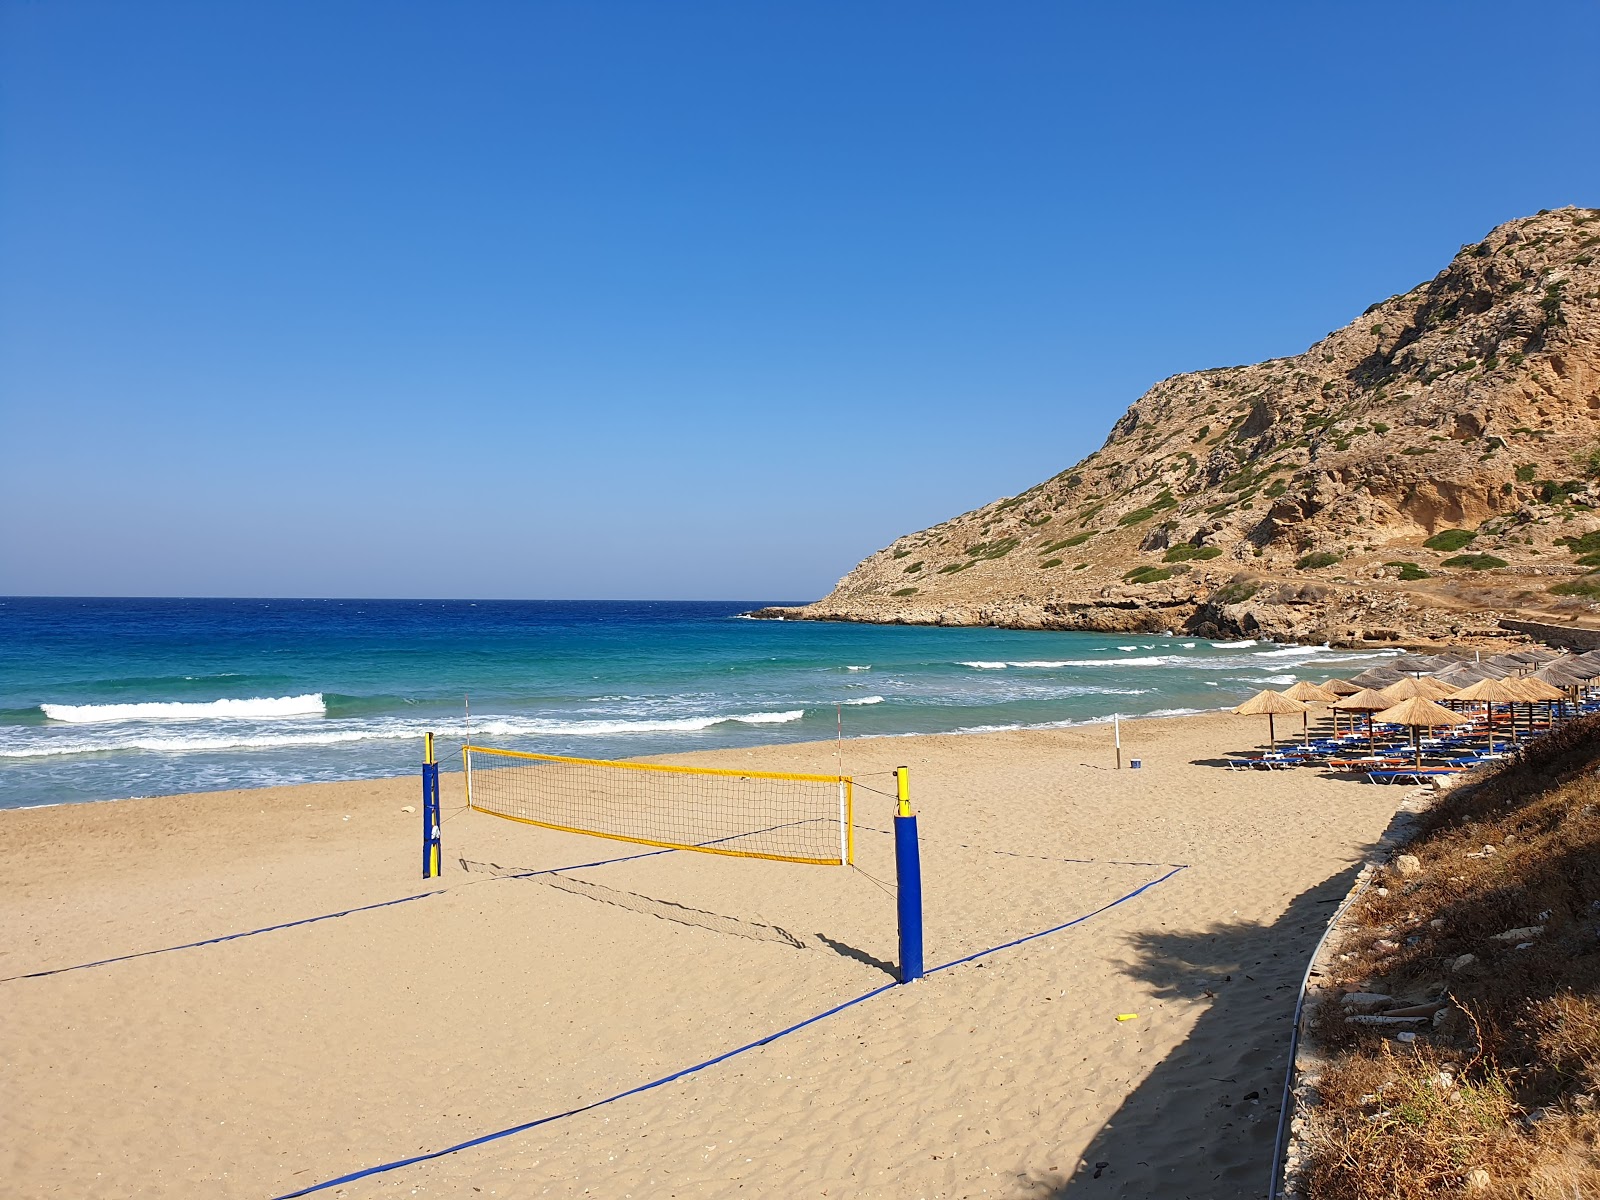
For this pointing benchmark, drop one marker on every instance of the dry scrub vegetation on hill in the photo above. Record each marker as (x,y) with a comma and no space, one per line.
(1414,476)
(1461,1023)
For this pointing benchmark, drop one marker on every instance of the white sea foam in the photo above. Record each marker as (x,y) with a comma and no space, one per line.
(1148,660)
(864,700)
(1127,647)
(868,667)
(221,738)
(1162,660)
(1290,651)
(1273,680)
(773,718)
(1071,724)
(176,743)
(257,707)
(1187,645)
(1233,645)
(546,726)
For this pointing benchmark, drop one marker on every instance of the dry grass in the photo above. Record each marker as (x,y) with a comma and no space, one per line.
(1499,1094)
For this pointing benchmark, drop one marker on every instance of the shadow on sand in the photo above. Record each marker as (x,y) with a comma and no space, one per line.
(1203,1122)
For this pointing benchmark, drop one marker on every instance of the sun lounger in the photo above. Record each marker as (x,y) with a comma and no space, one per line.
(1411,774)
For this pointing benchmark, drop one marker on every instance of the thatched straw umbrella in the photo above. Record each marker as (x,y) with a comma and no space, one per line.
(1306,692)
(1490,692)
(1368,701)
(1424,664)
(1426,687)
(1569,674)
(1434,688)
(1377,677)
(1419,714)
(1534,691)
(1511,664)
(1339,687)
(1271,704)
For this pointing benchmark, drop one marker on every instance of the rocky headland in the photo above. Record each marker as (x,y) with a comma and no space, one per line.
(1419,476)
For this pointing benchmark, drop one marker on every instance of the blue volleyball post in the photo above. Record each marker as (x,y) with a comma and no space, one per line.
(908,874)
(431,847)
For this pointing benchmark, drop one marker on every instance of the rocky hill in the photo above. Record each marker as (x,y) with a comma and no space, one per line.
(1416,476)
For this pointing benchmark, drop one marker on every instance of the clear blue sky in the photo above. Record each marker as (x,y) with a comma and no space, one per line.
(685,299)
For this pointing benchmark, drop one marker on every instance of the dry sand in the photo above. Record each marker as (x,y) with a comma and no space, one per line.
(256,1066)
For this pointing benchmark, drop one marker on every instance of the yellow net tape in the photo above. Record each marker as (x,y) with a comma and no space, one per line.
(746,814)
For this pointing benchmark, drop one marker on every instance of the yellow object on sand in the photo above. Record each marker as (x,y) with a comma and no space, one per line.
(1127,1016)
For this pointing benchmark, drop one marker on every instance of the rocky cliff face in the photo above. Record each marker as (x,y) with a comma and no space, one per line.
(1416,476)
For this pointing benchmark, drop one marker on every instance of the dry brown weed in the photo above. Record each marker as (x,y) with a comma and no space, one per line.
(1508,1080)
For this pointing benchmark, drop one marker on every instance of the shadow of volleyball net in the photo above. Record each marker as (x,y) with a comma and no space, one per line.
(783,817)
(743,814)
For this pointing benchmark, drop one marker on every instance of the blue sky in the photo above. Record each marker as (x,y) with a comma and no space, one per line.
(693,299)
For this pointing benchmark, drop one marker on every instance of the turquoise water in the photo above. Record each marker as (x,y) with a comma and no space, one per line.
(101,699)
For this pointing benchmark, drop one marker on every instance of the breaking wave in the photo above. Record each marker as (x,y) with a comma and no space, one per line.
(310,705)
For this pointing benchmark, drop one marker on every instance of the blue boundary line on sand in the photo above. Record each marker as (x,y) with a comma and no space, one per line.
(229,937)
(513,1130)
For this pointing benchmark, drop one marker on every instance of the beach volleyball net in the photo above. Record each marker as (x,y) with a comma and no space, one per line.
(744,814)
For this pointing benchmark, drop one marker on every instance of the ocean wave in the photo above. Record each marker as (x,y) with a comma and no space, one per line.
(156,741)
(554,726)
(774,718)
(864,700)
(178,743)
(1162,660)
(868,667)
(1233,645)
(1074,724)
(1289,651)
(256,707)
(1273,680)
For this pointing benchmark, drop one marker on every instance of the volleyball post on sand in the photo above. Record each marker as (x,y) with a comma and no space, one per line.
(780,816)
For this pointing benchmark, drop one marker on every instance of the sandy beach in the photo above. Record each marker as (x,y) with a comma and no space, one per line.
(265,1064)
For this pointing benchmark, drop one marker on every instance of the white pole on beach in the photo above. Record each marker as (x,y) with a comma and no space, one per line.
(1116,729)
(466,752)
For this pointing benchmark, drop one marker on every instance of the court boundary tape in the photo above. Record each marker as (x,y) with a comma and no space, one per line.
(512,1131)
(230,937)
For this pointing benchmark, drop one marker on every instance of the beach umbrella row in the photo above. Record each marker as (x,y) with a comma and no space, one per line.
(1407,691)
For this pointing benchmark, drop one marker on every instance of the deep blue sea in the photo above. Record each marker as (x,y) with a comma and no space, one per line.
(102,699)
